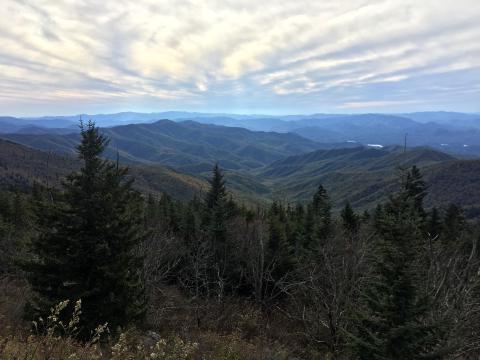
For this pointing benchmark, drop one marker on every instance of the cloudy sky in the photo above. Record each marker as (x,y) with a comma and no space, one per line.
(270,56)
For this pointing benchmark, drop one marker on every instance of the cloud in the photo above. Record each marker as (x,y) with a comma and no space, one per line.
(289,56)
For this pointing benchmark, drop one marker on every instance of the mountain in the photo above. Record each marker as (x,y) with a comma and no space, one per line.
(456,133)
(453,132)
(385,130)
(10,124)
(365,176)
(455,119)
(130,117)
(362,175)
(20,166)
(455,182)
(188,146)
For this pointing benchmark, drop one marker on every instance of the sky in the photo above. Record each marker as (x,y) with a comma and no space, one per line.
(61,57)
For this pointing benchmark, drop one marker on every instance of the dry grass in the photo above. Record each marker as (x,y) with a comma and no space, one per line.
(229,330)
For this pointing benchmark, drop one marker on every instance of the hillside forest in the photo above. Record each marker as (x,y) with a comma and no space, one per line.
(97,264)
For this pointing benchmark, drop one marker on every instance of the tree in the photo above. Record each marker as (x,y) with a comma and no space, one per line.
(415,188)
(434,224)
(318,223)
(350,220)
(215,218)
(86,248)
(392,323)
(217,193)
(453,223)
(216,209)
(279,251)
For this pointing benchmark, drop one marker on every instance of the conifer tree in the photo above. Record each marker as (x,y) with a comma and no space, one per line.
(216,208)
(86,244)
(217,193)
(350,220)
(215,218)
(280,252)
(392,322)
(453,223)
(318,223)
(415,188)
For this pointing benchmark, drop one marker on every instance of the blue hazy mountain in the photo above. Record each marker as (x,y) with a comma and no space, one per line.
(452,132)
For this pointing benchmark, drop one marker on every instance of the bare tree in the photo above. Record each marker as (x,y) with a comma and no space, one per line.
(329,285)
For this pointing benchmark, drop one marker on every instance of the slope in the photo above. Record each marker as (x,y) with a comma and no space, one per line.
(188,146)
(365,176)
(20,166)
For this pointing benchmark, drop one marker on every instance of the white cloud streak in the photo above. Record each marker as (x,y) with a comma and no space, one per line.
(221,54)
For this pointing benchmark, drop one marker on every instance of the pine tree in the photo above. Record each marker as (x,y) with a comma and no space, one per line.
(392,324)
(86,244)
(318,223)
(350,220)
(280,252)
(216,208)
(214,225)
(453,223)
(415,188)
(217,193)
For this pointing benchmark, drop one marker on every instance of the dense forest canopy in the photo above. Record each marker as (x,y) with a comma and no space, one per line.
(102,269)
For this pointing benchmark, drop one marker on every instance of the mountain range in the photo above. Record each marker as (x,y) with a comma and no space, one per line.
(452,132)
(176,157)
(365,176)
(21,166)
(187,145)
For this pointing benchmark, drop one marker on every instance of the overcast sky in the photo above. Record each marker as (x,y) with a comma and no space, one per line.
(270,56)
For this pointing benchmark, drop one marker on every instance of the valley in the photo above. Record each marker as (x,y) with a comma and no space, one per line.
(176,157)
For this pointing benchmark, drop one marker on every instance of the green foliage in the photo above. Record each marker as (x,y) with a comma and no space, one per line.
(392,322)
(318,222)
(24,168)
(86,244)
(350,220)
(187,145)
(389,281)
(454,222)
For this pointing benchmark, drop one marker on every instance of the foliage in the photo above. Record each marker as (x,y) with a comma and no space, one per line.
(217,279)
(86,243)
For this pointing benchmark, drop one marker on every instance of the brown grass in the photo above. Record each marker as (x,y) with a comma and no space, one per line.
(227,330)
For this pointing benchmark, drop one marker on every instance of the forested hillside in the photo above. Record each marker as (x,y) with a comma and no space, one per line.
(364,176)
(453,132)
(22,166)
(92,269)
(239,180)
(187,146)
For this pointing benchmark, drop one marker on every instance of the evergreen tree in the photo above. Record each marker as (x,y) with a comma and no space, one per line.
(415,188)
(392,322)
(279,250)
(217,193)
(434,224)
(318,223)
(453,223)
(216,209)
(350,220)
(86,244)
(216,214)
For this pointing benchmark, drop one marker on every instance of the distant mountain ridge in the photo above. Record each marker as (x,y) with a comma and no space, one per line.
(452,132)
(188,146)
(361,175)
